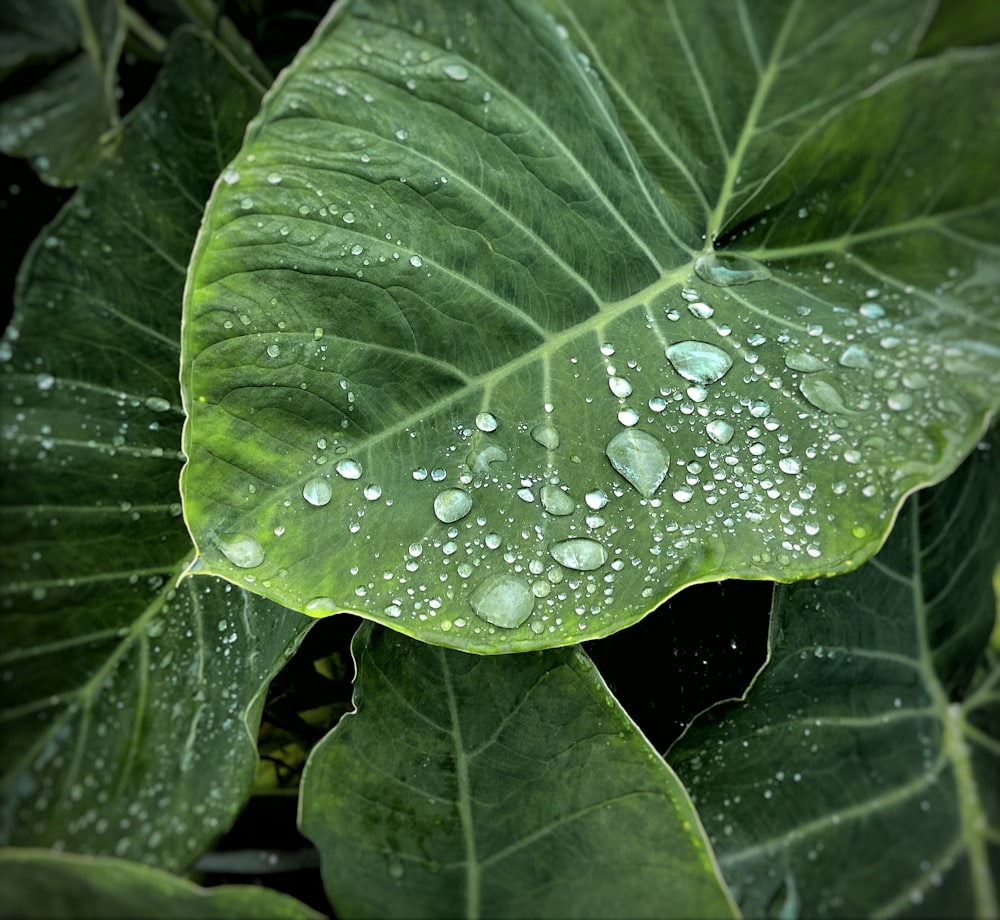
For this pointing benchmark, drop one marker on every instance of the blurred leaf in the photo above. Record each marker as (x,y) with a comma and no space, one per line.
(459,355)
(859,777)
(38,885)
(130,704)
(67,121)
(499,787)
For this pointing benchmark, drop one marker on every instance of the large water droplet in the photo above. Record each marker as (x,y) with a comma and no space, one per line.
(240,549)
(452,505)
(580,554)
(641,458)
(700,309)
(503,600)
(456,72)
(479,461)
(720,431)
(545,434)
(803,361)
(822,394)
(486,421)
(349,469)
(620,387)
(557,502)
(855,356)
(317,492)
(596,499)
(699,362)
(724,269)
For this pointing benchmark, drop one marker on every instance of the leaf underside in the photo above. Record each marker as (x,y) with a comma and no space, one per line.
(457,356)
(859,778)
(129,705)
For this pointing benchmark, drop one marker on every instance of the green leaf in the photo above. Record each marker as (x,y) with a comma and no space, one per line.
(36,884)
(859,777)
(130,703)
(66,121)
(500,787)
(457,356)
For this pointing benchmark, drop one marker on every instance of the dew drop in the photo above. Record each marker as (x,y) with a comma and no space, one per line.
(620,387)
(628,417)
(803,361)
(724,269)
(317,492)
(545,434)
(321,606)
(580,554)
(855,356)
(452,505)
(240,549)
(349,469)
(641,458)
(720,431)
(699,362)
(274,350)
(373,492)
(486,421)
(456,72)
(416,261)
(596,499)
(157,404)
(479,461)
(790,465)
(822,394)
(556,501)
(503,600)
(701,310)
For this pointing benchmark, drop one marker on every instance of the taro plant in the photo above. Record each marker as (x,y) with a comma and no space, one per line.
(496,325)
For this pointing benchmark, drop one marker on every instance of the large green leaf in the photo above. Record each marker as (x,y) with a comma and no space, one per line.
(459,355)
(36,884)
(859,778)
(498,787)
(129,703)
(67,120)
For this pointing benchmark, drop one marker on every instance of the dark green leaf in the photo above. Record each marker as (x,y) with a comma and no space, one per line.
(67,120)
(458,357)
(37,885)
(859,778)
(130,703)
(498,787)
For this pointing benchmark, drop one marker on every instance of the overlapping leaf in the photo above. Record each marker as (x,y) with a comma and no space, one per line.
(459,354)
(128,700)
(859,778)
(498,787)
(38,884)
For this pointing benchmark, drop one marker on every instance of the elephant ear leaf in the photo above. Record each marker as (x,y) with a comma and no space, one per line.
(508,322)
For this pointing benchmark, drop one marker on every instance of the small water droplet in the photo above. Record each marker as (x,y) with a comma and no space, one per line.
(452,505)
(545,434)
(701,309)
(620,387)
(321,606)
(556,501)
(628,417)
(823,395)
(803,361)
(790,465)
(372,492)
(456,72)
(596,499)
(317,492)
(580,554)
(724,269)
(416,261)
(641,458)
(720,431)
(274,350)
(240,549)
(348,217)
(871,310)
(503,600)
(699,362)
(157,404)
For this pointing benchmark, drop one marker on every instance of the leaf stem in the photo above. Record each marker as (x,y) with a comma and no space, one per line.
(151,37)
(209,16)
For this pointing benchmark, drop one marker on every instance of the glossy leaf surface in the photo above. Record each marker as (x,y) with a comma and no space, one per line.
(859,778)
(37,885)
(458,357)
(499,787)
(129,703)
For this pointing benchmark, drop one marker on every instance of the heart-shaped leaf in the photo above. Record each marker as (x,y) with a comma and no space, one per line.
(130,703)
(499,787)
(503,326)
(859,777)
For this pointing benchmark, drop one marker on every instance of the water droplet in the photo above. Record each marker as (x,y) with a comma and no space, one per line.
(317,492)
(456,72)
(503,600)
(452,505)
(720,431)
(240,549)
(321,606)
(583,555)
(900,401)
(416,261)
(557,502)
(545,434)
(823,395)
(871,310)
(724,269)
(607,349)
(157,404)
(348,217)
(790,465)
(683,494)
(479,461)
(349,469)
(274,350)
(628,417)
(699,362)
(620,387)
(274,178)
(231,176)
(641,458)
(596,499)
(372,492)
(803,361)
(701,310)
(486,421)
(855,356)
